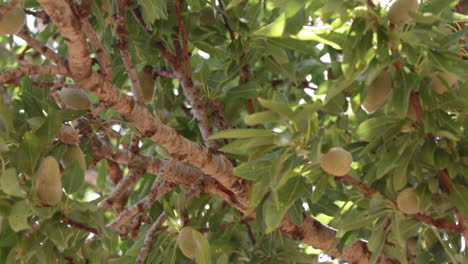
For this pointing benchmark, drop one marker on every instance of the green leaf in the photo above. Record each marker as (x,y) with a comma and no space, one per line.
(373,128)
(253,170)
(261,118)
(274,29)
(256,193)
(19,214)
(58,233)
(73,177)
(459,197)
(242,133)
(203,252)
(51,126)
(10,184)
(277,205)
(152,10)
(277,106)
(308,34)
(295,213)
(376,244)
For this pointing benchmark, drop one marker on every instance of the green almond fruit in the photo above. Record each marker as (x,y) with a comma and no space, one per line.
(75,98)
(12,21)
(378,92)
(399,11)
(336,162)
(147,84)
(48,182)
(74,153)
(408,201)
(69,135)
(186,242)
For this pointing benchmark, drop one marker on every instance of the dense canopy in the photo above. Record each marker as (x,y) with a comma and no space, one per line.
(233,131)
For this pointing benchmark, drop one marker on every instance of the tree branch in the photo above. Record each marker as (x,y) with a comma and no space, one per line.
(67,22)
(48,53)
(79,225)
(102,56)
(122,38)
(191,92)
(26,70)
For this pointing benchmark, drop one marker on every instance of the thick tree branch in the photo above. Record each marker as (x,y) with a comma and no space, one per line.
(62,15)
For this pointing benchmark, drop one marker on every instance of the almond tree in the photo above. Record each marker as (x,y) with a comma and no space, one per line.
(233,131)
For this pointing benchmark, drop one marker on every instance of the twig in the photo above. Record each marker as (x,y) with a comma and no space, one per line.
(357,183)
(163,72)
(414,103)
(122,37)
(439,223)
(149,238)
(171,60)
(102,56)
(191,92)
(226,23)
(370,3)
(114,171)
(44,50)
(119,191)
(156,226)
(79,225)
(157,190)
(25,70)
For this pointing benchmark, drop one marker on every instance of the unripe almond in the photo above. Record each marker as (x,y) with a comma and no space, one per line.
(336,162)
(48,182)
(186,242)
(75,98)
(441,80)
(74,153)
(147,84)
(12,21)
(69,135)
(408,201)
(377,92)
(399,11)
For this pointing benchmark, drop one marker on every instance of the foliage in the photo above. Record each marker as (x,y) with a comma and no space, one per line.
(289,78)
